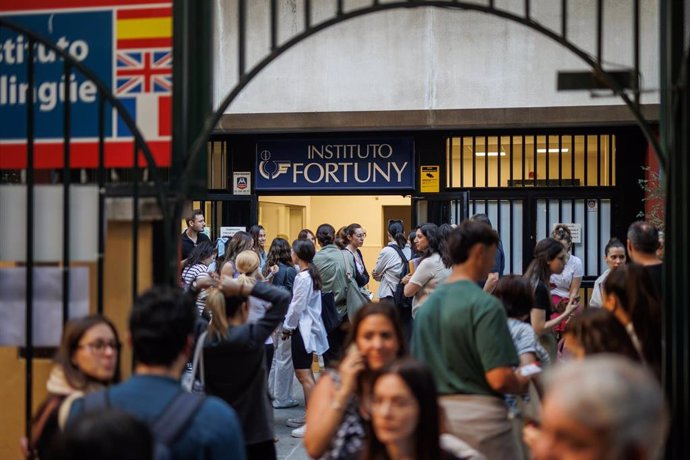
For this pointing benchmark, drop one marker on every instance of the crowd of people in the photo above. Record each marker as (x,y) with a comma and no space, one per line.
(452,359)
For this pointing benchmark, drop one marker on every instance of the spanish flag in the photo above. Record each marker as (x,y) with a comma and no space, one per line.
(144,28)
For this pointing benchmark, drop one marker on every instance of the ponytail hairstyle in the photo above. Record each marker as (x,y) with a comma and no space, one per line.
(397,232)
(247,265)
(240,241)
(341,237)
(304,250)
(613,243)
(215,304)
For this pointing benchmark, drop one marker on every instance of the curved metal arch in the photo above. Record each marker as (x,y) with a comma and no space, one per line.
(104,91)
(245,78)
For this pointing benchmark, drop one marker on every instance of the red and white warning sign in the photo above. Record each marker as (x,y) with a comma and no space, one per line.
(241,183)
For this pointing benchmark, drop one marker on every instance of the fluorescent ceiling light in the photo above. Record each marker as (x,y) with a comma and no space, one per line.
(489,154)
(553,150)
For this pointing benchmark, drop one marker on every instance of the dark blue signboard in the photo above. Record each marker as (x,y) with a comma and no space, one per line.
(335,164)
(85,35)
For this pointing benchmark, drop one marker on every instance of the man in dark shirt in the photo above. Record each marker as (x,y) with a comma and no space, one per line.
(643,242)
(194,233)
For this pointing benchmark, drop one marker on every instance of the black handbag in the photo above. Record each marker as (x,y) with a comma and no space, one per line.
(399,298)
(329,314)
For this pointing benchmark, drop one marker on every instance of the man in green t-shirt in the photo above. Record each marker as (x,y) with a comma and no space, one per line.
(462,334)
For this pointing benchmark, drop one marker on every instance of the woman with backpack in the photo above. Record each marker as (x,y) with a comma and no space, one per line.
(391,266)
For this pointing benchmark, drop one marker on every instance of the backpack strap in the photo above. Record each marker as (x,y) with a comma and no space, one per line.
(175,418)
(405,269)
(96,401)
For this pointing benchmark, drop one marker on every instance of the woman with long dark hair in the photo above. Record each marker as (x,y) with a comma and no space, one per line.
(88,360)
(595,331)
(549,259)
(240,241)
(432,270)
(195,268)
(303,323)
(338,411)
(258,234)
(629,293)
(405,416)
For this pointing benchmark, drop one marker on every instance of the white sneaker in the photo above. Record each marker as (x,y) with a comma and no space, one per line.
(296,422)
(299,432)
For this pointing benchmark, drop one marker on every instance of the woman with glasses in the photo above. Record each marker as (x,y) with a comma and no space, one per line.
(88,360)
(549,259)
(355,235)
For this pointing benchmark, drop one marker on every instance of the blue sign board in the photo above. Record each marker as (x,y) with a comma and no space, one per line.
(335,164)
(85,35)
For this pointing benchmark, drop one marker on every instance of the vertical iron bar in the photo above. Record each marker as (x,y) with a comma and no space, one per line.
(572,158)
(636,52)
(534,159)
(339,8)
(523,161)
(564,19)
(101,204)
(462,161)
(586,154)
(242,32)
(560,160)
(586,233)
(610,153)
(307,14)
(29,316)
(510,182)
(135,222)
(598,234)
(527,9)
(548,160)
(486,161)
(598,160)
(449,161)
(498,216)
(498,163)
(600,30)
(274,24)
(510,236)
(67,113)
(474,161)
(548,217)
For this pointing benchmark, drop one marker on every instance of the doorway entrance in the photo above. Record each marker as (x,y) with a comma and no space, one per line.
(285,216)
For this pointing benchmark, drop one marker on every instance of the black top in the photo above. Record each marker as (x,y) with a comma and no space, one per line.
(234,367)
(188,245)
(656,272)
(542,299)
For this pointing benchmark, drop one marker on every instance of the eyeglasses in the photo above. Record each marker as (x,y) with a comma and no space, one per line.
(99,346)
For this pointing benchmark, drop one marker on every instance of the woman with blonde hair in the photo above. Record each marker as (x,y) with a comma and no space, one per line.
(234,356)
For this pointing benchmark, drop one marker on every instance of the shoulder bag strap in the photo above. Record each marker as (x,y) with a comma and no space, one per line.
(198,360)
(175,418)
(347,266)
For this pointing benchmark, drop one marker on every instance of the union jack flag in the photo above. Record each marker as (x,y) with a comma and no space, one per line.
(144,72)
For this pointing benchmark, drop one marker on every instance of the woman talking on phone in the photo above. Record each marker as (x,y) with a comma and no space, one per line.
(337,414)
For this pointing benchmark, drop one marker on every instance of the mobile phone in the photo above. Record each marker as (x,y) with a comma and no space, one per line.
(529,370)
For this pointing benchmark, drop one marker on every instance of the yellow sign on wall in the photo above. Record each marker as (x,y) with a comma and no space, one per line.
(430,179)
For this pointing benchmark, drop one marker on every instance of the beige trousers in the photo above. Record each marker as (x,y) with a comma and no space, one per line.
(482,422)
